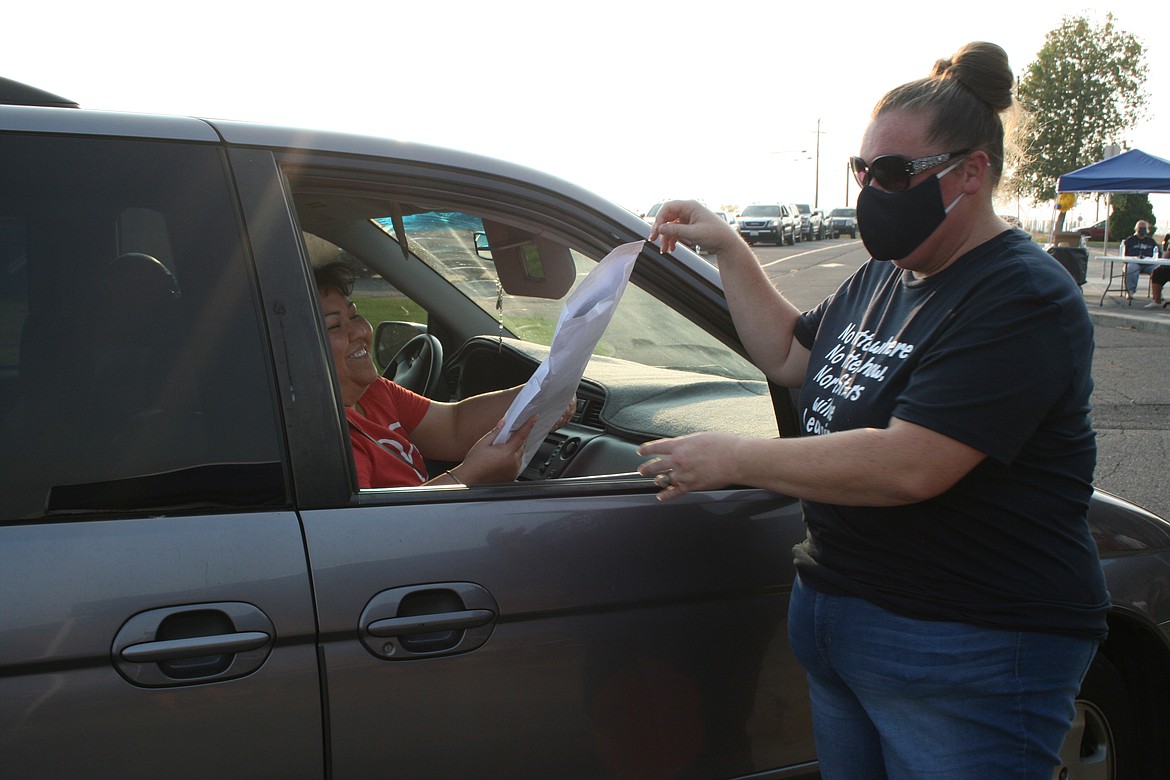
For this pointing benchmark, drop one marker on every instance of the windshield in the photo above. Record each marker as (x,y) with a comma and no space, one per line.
(643,328)
(758,210)
(843,213)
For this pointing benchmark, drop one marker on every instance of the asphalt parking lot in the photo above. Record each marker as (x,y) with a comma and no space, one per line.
(1131,366)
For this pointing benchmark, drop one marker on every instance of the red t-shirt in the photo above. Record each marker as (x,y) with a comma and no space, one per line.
(392,412)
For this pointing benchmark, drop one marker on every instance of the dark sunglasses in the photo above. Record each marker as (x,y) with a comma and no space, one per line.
(892,172)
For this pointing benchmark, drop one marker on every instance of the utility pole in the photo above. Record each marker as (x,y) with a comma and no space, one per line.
(848,176)
(817,186)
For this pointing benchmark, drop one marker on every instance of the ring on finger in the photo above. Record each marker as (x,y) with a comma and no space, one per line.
(665,479)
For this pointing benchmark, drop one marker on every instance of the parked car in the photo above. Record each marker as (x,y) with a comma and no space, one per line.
(811,223)
(652,212)
(1095,232)
(776,223)
(193,585)
(793,210)
(843,221)
(820,218)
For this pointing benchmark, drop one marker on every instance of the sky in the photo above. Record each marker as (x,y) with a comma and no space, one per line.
(729,103)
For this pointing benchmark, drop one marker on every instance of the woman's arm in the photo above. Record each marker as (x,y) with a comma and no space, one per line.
(764,319)
(466,431)
(902,464)
(449,430)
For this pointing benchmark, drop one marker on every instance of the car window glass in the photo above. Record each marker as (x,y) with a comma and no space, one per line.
(133,374)
(642,330)
(13,301)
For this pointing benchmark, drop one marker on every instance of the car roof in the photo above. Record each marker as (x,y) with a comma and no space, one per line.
(25,108)
(80,121)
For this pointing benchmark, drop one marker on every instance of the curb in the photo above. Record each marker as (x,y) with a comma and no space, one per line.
(1135,322)
(1113,312)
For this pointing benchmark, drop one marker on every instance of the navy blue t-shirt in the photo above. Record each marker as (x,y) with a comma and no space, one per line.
(994,351)
(1140,246)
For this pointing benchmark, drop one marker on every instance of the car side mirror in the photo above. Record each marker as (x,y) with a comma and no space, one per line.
(390,337)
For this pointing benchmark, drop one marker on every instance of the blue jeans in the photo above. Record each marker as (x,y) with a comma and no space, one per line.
(1133,272)
(896,697)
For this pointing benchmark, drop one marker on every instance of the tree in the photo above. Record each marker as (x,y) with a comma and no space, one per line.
(1085,90)
(1127,210)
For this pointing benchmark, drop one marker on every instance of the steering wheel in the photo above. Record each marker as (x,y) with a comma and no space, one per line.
(418,365)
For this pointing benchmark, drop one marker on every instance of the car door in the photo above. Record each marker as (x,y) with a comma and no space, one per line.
(573,627)
(575,630)
(155,604)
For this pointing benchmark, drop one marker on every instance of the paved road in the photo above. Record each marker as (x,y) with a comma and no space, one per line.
(1131,367)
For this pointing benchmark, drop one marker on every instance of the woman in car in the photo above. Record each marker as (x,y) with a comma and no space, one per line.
(949,598)
(393,429)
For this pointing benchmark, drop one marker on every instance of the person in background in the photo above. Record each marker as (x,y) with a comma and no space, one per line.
(1140,244)
(949,597)
(392,429)
(1159,276)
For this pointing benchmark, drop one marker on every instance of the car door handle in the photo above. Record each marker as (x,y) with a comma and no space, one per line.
(422,621)
(423,624)
(193,643)
(153,652)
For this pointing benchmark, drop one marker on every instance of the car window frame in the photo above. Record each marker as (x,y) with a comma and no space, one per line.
(266,195)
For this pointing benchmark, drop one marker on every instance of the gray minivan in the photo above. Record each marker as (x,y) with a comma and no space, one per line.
(192,584)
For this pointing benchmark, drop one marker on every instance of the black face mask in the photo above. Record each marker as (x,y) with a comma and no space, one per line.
(894,224)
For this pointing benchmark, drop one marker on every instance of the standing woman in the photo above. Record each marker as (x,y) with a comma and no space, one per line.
(949,598)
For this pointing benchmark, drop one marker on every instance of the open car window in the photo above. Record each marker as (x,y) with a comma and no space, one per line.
(643,329)
(483,288)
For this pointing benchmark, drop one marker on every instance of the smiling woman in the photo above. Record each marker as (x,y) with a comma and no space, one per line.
(386,420)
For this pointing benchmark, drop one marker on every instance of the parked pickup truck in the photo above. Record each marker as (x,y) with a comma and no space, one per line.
(811,223)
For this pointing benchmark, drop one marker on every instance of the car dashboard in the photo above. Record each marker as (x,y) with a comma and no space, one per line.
(620,405)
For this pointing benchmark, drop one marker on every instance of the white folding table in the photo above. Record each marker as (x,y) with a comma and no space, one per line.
(1112,261)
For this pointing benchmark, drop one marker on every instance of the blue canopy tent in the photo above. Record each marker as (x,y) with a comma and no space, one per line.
(1133,171)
